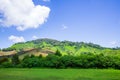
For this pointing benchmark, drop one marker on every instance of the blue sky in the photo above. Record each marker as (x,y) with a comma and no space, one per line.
(96,21)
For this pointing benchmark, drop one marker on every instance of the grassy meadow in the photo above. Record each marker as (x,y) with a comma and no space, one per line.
(59,74)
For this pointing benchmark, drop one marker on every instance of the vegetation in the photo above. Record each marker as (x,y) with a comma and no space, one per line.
(59,74)
(15,59)
(4,59)
(60,54)
(65,47)
(85,60)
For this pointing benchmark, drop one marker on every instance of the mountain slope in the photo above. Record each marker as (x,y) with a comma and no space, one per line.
(65,47)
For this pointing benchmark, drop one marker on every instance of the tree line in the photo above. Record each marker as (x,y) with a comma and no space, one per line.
(85,60)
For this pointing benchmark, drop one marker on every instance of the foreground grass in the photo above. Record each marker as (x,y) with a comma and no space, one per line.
(59,74)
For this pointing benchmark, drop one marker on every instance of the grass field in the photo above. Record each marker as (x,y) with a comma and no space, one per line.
(59,74)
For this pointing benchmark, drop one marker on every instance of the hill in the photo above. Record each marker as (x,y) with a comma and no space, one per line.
(46,46)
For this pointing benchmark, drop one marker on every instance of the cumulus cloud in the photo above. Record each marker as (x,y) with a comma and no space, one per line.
(23,14)
(35,37)
(16,39)
(113,42)
(64,27)
(46,0)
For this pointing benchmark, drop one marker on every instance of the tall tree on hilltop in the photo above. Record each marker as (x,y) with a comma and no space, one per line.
(58,53)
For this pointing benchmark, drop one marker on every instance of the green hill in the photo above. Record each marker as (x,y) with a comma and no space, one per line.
(46,46)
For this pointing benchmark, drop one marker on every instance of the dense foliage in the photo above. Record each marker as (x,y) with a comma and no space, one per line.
(66,47)
(86,60)
(61,54)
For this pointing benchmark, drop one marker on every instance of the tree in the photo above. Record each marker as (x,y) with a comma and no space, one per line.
(6,65)
(32,56)
(4,59)
(52,61)
(58,53)
(40,56)
(15,59)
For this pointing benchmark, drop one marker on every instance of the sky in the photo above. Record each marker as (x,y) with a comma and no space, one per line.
(96,21)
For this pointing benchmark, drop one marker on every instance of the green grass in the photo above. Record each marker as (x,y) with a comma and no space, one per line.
(59,74)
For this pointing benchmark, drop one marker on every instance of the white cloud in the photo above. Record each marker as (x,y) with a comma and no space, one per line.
(23,14)
(46,0)
(113,42)
(35,37)
(16,39)
(64,27)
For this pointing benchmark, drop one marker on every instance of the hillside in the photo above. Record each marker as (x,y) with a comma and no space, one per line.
(45,46)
